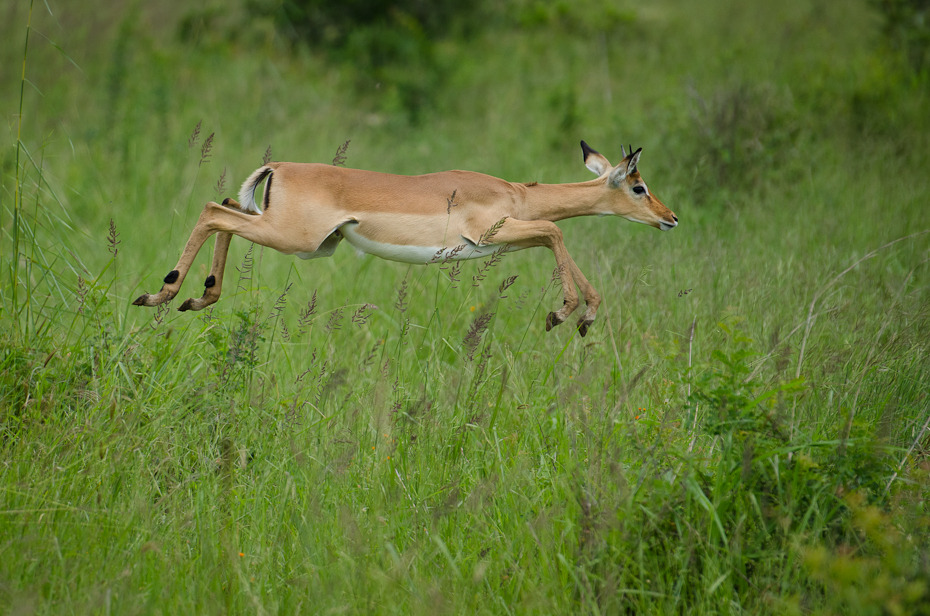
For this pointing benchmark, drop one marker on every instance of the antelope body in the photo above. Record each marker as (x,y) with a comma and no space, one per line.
(308,209)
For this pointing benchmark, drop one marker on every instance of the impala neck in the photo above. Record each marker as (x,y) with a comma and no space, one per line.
(559,201)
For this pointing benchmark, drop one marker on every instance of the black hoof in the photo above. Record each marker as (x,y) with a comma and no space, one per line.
(187,305)
(140,301)
(552,320)
(583,327)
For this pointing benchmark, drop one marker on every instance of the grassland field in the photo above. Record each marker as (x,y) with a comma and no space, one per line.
(743,430)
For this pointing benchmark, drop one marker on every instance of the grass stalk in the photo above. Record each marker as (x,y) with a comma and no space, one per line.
(809,322)
(920,435)
(20,173)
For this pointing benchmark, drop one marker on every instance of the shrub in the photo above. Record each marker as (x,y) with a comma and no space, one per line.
(906,29)
(389,45)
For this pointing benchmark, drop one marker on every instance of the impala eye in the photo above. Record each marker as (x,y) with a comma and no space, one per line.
(639,189)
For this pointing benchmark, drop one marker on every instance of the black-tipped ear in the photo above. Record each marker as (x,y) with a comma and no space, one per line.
(594,160)
(587,150)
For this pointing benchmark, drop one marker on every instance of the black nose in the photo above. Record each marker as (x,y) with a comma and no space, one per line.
(675,218)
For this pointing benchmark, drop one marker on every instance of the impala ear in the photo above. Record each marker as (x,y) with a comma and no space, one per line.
(594,160)
(634,160)
(618,174)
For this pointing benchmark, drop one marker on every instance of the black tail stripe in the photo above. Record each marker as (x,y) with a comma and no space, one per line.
(267,202)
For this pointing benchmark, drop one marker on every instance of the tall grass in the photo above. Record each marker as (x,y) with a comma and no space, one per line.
(744,429)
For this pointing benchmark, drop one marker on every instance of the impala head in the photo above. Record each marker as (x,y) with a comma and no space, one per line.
(628,195)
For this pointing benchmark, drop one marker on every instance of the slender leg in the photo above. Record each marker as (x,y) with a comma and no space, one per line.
(529,233)
(214,218)
(213,286)
(592,300)
(175,277)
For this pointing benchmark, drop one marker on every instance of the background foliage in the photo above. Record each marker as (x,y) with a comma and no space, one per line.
(745,429)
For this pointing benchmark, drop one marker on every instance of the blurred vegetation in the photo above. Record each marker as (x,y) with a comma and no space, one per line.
(906,28)
(389,44)
(325,24)
(744,430)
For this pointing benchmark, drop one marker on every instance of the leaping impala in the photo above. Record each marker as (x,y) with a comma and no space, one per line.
(307,209)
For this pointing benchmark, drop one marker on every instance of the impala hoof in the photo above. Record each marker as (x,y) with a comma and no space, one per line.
(552,320)
(583,326)
(187,305)
(146,299)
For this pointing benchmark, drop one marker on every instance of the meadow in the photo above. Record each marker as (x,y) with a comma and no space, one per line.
(744,429)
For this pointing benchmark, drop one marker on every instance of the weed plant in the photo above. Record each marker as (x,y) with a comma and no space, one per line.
(743,430)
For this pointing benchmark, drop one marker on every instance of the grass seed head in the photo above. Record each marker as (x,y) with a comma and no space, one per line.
(195,136)
(206,149)
(339,160)
(113,240)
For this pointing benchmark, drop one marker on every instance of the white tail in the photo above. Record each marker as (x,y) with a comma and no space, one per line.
(308,209)
(247,192)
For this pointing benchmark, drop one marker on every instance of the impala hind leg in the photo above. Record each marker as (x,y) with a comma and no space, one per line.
(214,218)
(213,285)
(175,277)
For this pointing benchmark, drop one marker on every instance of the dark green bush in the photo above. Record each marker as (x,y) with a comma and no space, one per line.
(907,30)
(389,46)
(746,133)
(321,23)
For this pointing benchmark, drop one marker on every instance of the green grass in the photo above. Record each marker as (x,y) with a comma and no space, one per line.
(744,429)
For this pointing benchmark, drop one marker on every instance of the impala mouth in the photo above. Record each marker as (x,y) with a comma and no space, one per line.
(658,224)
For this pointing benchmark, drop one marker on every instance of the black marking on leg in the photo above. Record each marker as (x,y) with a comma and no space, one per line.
(172,277)
(210,281)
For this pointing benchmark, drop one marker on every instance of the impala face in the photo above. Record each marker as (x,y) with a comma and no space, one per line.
(630,196)
(308,209)
(648,209)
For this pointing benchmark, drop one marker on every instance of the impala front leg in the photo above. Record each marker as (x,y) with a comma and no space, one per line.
(591,299)
(530,233)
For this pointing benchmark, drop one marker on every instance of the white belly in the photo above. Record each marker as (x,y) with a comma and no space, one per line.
(416,254)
